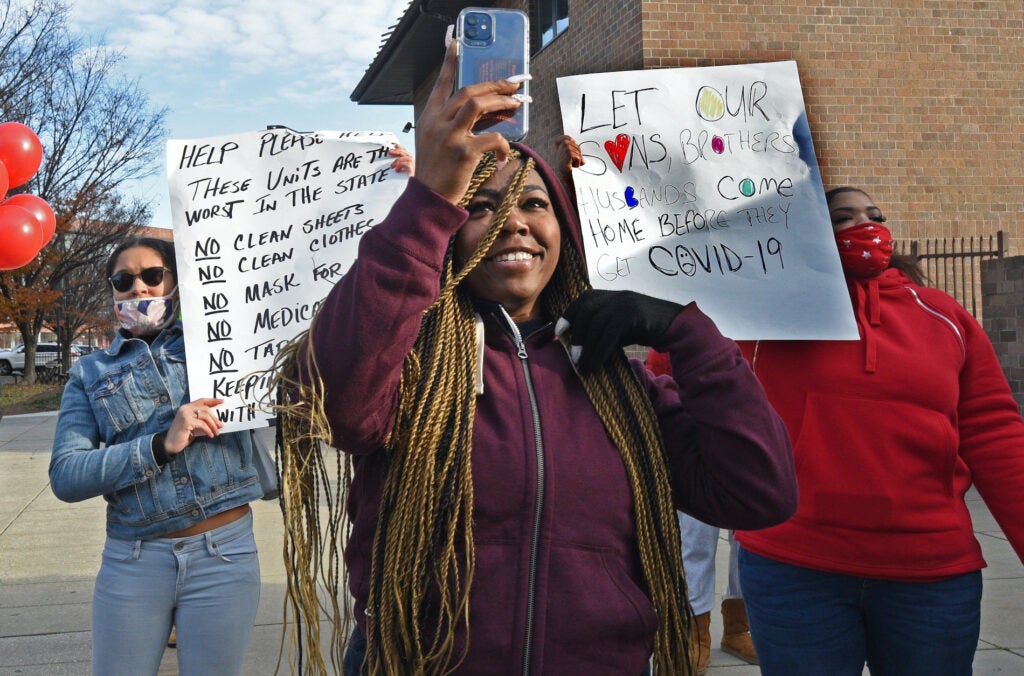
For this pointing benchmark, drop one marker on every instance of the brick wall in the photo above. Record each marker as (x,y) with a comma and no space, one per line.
(1002,288)
(919,102)
(596,41)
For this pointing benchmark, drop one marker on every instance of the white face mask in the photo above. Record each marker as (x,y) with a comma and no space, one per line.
(147,315)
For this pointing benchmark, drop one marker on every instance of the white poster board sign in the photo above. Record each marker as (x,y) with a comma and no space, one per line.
(701,184)
(265,222)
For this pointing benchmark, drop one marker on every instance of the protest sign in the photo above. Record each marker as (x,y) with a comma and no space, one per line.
(264,223)
(701,184)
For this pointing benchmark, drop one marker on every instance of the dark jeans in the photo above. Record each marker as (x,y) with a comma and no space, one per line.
(808,623)
(355,653)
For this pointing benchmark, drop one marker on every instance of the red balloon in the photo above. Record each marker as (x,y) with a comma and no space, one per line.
(5,180)
(20,151)
(21,235)
(40,209)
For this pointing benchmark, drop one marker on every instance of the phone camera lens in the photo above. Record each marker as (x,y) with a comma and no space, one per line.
(471,33)
(471,19)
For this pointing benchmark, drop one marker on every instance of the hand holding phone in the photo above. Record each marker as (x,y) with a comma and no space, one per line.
(447,149)
(494,45)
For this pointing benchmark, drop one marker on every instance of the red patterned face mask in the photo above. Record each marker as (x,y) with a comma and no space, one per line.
(865,249)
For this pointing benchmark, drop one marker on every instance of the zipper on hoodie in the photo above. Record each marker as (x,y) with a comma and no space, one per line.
(941,317)
(531,598)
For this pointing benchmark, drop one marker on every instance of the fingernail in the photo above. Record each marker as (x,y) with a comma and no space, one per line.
(519,79)
(561,326)
(523,98)
(449,38)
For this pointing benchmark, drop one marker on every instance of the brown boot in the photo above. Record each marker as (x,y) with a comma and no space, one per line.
(736,633)
(700,643)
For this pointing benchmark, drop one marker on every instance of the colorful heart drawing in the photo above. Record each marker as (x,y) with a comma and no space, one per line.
(630,200)
(617,150)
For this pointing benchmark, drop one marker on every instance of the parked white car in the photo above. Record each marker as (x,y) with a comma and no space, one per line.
(14,360)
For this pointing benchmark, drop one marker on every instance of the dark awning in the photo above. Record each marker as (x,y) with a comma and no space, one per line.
(410,51)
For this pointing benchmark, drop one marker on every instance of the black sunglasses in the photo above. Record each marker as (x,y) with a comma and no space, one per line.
(123,281)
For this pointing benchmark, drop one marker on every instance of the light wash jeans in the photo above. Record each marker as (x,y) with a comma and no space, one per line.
(700,542)
(206,585)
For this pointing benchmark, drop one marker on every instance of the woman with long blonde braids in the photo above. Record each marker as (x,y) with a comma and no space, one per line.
(512,499)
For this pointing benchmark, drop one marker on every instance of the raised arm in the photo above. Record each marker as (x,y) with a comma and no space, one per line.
(370,320)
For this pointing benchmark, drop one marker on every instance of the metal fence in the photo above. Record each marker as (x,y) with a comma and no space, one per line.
(953,264)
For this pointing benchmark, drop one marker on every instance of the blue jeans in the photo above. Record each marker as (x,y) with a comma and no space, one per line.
(355,655)
(206,585)
(806,622)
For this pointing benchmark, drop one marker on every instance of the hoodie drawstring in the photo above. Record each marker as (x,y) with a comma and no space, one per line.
(869,314)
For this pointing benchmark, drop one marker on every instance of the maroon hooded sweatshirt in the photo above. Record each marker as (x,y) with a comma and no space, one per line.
(558,587)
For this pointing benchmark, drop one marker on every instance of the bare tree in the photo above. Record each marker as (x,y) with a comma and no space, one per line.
(84,306)
(99,133)
(29,54)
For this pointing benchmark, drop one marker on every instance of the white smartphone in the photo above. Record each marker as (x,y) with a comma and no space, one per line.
(495,44)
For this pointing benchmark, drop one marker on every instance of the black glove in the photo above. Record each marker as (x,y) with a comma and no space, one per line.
(604,321)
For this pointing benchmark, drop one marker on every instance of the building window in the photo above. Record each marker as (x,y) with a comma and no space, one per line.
(552,19)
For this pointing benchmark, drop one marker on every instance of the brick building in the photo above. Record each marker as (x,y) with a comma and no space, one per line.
(920,102)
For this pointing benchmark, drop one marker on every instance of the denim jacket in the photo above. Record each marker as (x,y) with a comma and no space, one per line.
(115,401)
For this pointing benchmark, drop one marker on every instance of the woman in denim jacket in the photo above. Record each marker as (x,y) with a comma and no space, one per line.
(180,549)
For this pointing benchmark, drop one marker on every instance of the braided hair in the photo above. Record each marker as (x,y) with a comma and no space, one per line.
(424,534)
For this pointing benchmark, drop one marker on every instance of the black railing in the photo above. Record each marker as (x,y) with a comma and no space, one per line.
(953,264)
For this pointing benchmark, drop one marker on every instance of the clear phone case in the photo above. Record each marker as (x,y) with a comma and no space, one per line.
(494,45)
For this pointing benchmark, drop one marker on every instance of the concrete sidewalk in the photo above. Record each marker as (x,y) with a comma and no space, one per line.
(50,552)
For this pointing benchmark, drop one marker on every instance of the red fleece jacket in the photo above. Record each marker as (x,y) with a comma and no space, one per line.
(889,433)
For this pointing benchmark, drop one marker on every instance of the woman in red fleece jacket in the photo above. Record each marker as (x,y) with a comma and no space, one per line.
(880,563)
